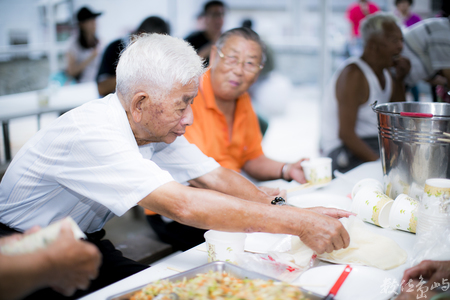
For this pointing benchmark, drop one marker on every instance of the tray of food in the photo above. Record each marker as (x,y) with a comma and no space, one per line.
(216,279)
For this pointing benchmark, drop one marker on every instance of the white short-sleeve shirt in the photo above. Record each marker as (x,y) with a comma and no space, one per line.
(87,165)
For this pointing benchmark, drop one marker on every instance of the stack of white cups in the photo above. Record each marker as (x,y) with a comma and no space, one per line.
(372,205)
(434,208)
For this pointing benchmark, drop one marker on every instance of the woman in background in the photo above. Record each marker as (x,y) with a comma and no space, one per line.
(82,54)
(403,11)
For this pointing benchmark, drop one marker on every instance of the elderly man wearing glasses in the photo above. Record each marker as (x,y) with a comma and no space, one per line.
(226,127)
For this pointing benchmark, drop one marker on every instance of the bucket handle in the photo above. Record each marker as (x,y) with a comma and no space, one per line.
(373,105)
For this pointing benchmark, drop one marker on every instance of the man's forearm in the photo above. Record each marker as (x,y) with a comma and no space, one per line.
(213,210)
(231,183)
(21,275)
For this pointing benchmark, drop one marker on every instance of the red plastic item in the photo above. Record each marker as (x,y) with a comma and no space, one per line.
(416,115)
(334,290)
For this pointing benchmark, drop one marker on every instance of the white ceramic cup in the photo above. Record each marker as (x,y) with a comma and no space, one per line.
(317,170)
(403,214)
(367,182)
(372,206)
(223,245)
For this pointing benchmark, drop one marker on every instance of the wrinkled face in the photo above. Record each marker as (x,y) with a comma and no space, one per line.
(389,44)
(166,119)
(214,17)
(231,81)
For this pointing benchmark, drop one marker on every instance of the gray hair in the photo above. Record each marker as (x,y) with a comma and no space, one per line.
(156,62)
(247,34)
(373,24)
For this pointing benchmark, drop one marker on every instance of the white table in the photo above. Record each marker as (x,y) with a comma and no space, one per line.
(196,257)
(31,103)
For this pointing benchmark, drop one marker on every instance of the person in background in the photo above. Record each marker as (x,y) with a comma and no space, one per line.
(126,149)
(427,46)
(214,13)
(349,132)
(437,285)
(65,265)
(106,76)
(83,48)
(226,127)
(356,12)
(403,12)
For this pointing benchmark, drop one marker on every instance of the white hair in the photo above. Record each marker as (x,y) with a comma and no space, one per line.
(373,24)
(156,62)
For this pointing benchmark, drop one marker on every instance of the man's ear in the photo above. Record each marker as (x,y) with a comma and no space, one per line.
(138,103)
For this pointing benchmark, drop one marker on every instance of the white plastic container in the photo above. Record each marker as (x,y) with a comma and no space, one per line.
(223,246)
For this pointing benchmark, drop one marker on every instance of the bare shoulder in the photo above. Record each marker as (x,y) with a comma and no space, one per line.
(352,85)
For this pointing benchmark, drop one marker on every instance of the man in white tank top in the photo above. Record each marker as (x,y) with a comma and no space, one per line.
(349,133)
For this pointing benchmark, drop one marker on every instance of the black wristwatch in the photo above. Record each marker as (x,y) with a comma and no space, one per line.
(278,201)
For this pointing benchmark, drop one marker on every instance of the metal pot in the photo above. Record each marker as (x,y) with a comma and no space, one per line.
(414,145)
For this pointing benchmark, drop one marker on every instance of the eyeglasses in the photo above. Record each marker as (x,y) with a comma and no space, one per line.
(249,66)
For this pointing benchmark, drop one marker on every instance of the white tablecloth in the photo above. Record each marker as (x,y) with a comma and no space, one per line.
(197,256)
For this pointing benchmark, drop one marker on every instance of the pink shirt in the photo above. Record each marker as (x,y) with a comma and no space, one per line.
(355,15)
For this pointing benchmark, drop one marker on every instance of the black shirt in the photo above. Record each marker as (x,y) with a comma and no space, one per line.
(198,39)
(110,59)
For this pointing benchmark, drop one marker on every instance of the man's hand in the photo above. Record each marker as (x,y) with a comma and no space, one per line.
(432,271)
(331,212)
(73,263)
(295,172)
(323,234)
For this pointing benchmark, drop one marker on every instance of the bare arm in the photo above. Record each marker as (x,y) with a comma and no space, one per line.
(263,168)
(231,183)
(352,90)
(73,68)
(213,210)
(66,265)
(402,67)
(107,86)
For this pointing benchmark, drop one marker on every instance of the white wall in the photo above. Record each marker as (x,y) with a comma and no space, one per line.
(20,14)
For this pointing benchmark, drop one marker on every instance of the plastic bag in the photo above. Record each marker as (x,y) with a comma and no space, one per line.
(272,266)
(276,263)
(431,244)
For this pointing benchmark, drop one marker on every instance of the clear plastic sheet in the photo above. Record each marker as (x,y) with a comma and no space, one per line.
(433,243)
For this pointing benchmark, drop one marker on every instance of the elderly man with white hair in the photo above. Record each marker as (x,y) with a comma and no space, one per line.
(349,133)
(127,149)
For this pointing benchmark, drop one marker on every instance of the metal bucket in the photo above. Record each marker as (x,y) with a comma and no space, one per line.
(413,148)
